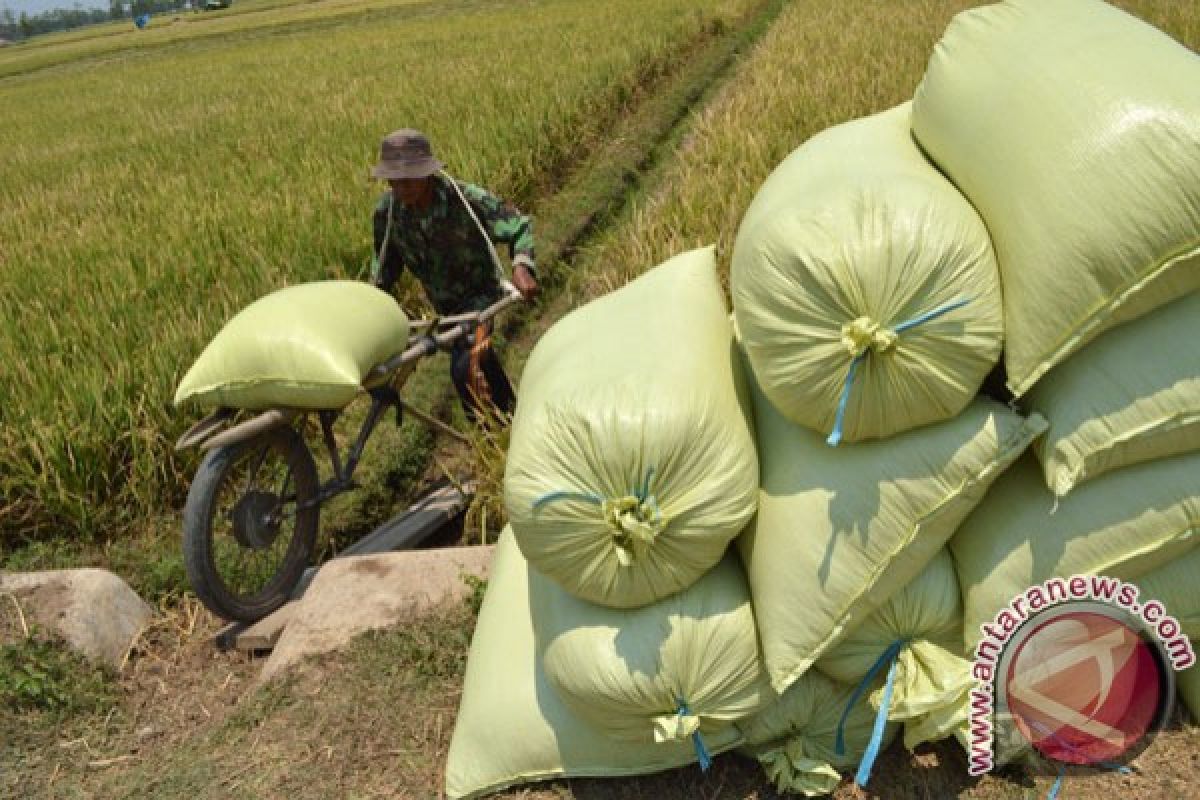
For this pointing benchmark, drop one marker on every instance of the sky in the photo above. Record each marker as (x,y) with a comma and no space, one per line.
(38,6)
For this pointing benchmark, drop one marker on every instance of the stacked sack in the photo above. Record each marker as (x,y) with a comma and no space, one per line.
(617,635)
(867,300)
(1083,158)
(1052,151)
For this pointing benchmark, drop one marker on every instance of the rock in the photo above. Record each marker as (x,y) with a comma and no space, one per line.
(92,610)
(355,594)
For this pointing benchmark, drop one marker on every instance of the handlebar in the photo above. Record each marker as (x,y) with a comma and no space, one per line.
(449,330)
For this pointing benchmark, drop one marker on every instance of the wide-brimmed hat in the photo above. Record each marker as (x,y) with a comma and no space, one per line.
(405,154)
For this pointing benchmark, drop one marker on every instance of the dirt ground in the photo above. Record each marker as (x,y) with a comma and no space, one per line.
(375,721)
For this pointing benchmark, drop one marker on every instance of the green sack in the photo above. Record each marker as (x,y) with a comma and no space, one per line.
(839,531)
(795,737)
(1122,525)
(1074,128)
(632,461)
(920,626)
(1132,395)
(511,726)
(687,664)
(306,346)
(862,279)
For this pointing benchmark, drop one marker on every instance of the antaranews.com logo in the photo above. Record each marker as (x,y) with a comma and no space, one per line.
(1076,668)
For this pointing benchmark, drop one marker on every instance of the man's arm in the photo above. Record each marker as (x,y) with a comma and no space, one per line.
(504,223)
(385,267)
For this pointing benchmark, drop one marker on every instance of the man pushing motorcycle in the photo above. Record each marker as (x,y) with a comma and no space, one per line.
(443,231)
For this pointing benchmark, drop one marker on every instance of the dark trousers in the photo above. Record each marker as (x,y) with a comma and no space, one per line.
(502,396)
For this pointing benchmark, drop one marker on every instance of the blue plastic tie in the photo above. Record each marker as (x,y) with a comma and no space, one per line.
(641,496)
(1058,782)
(697,740)
(835,436)
(872,752)
(551,497)
(928,315)
(1054,790)
(893,649)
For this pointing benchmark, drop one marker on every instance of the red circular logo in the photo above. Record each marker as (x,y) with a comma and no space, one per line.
(1083,687)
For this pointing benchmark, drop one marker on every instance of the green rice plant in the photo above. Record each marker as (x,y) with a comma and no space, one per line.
(147,198)
(820,64)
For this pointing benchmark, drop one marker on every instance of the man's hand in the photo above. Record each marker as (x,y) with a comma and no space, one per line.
(526,284)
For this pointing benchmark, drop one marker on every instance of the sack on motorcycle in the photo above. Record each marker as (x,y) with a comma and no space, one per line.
(1074,129)
(632,461)
(306,346)
(512,728)
(864,285)
(1130,396)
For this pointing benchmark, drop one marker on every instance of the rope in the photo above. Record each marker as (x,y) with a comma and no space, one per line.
(835,436)
(487,239)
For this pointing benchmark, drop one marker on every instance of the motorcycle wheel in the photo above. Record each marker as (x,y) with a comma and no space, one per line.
(246,542)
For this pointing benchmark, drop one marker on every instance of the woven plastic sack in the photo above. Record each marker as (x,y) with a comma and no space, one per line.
(839,531)
(864,285)
(632,461)
(920,628)
(1130,396)
(686,665)
(795,738)
(1122,525)
(1074,128)
(511,726)
(306,346)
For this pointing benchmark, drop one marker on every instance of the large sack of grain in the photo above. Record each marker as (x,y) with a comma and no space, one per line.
(1074,128)
(1122,525)
(1132,395)
(512,728)
(684,666)
(864,285)
(920,628)
(306,346)
(796,737)
(838,532)
(632,461)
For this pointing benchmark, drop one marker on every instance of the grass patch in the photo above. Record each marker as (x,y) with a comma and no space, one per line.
(41,675)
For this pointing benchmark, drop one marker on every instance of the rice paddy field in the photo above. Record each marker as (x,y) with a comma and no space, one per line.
(154,186)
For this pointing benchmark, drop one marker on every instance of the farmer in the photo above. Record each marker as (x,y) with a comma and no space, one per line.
(435,225)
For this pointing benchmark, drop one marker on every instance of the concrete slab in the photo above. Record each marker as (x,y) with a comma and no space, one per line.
(355,594)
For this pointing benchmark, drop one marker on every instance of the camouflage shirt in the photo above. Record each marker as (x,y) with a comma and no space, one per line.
(443,248)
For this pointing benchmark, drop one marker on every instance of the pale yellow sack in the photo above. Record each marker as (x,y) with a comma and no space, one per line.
(511,726)
(920,626)
(864,285)
(839,531)
(1122,525)
(688,664)
(795,738)
(306,346)
(1132,395)
(632,462)
(1074,129)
